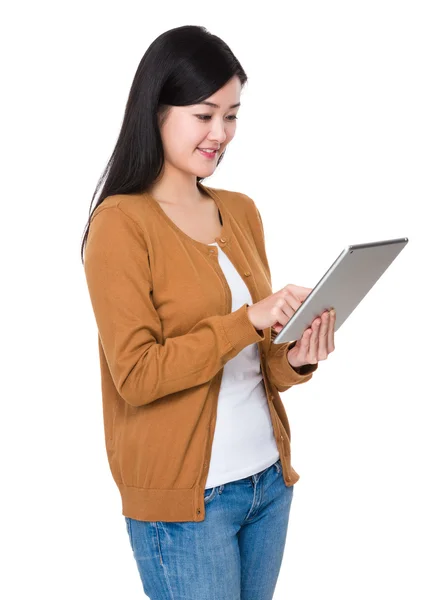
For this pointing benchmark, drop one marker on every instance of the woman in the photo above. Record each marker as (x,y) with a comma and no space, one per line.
(197,437)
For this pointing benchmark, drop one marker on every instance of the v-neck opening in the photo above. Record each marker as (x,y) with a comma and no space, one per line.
(224,236)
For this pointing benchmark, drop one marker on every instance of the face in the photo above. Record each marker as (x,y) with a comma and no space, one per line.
(188,128)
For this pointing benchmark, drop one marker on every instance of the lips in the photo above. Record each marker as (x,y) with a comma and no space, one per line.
(208,155)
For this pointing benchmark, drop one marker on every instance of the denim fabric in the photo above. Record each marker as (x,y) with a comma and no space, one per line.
(234,554)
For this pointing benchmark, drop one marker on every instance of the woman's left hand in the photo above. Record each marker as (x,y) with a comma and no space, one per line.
(316,342)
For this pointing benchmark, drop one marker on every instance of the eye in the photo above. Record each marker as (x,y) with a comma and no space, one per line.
(206,117)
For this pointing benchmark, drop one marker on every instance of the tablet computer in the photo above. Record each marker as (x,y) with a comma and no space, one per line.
(344,285)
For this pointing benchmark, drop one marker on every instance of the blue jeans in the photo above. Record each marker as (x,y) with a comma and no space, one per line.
(234,554)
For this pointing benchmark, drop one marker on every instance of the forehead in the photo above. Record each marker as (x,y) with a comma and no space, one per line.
(226,98)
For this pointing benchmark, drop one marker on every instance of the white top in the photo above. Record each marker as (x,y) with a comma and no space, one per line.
(244,443)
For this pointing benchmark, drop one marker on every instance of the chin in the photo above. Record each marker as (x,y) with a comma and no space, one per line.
(203,172)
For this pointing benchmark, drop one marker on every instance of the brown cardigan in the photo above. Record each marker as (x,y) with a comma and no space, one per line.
(162,308)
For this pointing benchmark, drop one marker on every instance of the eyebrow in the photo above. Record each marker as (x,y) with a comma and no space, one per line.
(217,106)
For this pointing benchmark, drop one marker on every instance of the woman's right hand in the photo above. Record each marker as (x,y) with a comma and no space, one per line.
(278,308)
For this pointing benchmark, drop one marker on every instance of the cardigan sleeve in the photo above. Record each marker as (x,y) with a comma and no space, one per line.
(280,372)
(143,365)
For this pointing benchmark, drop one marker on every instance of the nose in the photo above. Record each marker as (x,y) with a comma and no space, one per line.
(218,132)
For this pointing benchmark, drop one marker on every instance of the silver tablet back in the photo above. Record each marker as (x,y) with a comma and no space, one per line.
(344,285)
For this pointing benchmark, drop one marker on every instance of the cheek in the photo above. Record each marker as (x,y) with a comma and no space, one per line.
(188,138)
(230,135)
(179,146)
(179,136)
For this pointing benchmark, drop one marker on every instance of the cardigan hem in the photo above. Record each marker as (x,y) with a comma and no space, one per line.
(177,505)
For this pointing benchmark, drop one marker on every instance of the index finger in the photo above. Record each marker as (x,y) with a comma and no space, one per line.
(299,291)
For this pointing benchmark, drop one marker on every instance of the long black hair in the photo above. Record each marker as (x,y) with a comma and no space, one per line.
(182,66)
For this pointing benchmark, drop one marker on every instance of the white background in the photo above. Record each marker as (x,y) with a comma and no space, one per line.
(331,144)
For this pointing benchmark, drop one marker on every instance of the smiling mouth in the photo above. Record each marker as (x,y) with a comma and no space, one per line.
(208,154)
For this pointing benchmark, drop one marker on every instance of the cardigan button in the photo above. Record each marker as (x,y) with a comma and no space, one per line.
(247,273)
(223,240)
